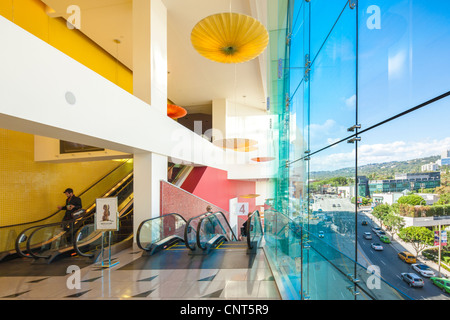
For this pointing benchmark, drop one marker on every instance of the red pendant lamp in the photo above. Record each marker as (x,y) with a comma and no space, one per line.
(175,112)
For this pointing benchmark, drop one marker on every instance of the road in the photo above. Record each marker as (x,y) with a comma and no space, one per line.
(391,266)
(339,232)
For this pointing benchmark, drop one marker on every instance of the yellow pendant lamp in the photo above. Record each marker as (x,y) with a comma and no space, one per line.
(229,37)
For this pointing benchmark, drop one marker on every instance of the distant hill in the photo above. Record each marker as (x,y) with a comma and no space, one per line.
(380,170)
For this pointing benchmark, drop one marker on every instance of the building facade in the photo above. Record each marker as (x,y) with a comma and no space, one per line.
(349,88)
(342,84)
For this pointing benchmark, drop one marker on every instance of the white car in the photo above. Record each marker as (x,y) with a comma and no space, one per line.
(377,246)
(321,234)
(424,270)
(367,235)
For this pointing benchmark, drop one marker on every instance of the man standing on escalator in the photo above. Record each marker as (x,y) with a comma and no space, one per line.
(73,204)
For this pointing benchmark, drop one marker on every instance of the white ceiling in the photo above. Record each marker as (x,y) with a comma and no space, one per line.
(193,80)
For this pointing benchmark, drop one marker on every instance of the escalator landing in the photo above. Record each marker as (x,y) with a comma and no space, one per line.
(22,267)
(225,256)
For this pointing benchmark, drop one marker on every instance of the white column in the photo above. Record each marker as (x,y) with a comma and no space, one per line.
(219,118)
(150,52)
(150,85)
(149,169)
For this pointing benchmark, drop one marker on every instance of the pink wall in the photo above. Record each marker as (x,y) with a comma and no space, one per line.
(176,200)
(213,186)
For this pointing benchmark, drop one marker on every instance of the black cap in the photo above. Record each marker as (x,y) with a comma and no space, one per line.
(69,190)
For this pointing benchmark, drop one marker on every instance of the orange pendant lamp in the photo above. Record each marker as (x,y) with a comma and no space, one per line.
(263,159)
(175,112)
(229,37)
(237,144)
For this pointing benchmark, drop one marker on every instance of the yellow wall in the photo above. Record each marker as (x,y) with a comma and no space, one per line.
(30,15)
(31,190)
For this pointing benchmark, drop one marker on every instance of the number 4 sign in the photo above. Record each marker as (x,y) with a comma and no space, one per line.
(242,208)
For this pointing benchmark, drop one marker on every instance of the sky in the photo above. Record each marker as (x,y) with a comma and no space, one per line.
(403,59)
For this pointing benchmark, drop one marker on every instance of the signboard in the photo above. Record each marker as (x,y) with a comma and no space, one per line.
(444,238)
(436,238)
(242,208)
(106,214)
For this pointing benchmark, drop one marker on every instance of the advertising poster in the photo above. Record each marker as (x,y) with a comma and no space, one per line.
(436,238)
(106,214)
(444,238)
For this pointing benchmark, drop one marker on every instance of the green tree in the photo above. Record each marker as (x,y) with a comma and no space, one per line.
(443,199)
(394,222)
(412,199)
(418,237)
(380,211)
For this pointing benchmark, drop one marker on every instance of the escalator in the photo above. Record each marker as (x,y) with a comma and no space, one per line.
(15,236)
(178,173)
(214,233)
(159,233)
(201,234)
(49,241)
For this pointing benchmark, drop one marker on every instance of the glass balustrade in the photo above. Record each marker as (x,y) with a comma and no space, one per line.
(254,230)
(156,230)
(214,228)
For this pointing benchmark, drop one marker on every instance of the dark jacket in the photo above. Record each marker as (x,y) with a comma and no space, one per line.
(76,202)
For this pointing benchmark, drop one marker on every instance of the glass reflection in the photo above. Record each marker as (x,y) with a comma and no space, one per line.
(333,84)
(403,62)
(402,160)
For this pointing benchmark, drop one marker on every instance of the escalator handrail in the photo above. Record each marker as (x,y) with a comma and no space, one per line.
(138,232)
(88,214)
(186,242)
(200,224)
(53,214)
(62,223)
(40,227)
(255,214)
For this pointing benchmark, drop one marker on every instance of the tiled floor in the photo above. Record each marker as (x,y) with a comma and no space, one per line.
(137,277)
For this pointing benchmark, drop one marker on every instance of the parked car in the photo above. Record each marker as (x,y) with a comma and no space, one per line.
(385,239)
(412,279)
(321,234)
(441,283)
(407,257)
(367,236)
(423,269)
(377,246)
(380,233)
